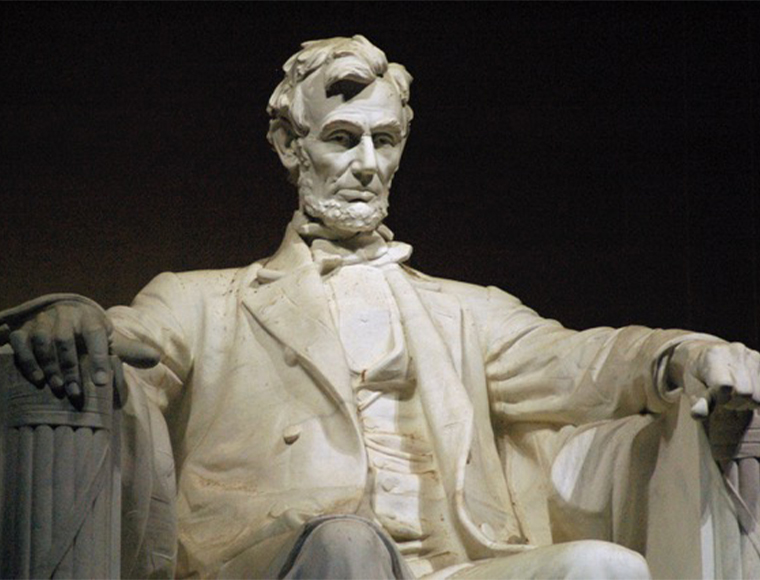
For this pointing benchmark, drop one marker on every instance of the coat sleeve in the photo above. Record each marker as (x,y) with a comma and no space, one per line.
(163,315)
(539,371)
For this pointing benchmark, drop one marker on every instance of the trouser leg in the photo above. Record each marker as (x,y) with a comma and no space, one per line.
(346,547)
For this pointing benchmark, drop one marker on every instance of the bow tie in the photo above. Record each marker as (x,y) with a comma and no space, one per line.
(374,248)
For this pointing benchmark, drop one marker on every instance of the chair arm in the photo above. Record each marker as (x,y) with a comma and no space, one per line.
(735,442)
(61,480)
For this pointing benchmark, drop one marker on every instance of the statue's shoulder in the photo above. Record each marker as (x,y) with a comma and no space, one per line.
(465,291)
(205,282)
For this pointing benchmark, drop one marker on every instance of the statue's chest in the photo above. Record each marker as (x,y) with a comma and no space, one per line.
(365,315)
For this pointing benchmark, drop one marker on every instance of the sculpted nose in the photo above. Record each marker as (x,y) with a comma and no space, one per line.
(364,167)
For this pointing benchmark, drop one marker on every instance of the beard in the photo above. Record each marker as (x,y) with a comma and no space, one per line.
(338,214)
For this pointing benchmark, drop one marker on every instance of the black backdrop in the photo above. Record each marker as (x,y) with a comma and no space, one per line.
(600,161)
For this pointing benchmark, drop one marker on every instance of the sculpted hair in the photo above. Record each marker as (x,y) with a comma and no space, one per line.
(355,60)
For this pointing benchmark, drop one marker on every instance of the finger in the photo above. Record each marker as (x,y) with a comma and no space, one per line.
(95,337)
(68,359)
(753,365)
(746,386)
(133,352)
(705,405)
(715,371)
(700,409)
(5,334)
(44,352)
(119,382)
(27,364)
(742,395)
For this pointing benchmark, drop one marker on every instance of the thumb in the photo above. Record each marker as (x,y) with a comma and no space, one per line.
(134,352)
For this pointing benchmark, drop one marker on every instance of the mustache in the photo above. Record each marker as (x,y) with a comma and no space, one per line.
(356,195)
(350,183)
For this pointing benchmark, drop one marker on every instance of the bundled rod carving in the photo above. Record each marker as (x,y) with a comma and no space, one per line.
(61,504)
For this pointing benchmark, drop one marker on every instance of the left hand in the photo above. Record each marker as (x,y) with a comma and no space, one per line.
(716,373)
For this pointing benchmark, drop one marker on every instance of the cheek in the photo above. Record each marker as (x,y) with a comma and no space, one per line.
(388,164)
(331,166)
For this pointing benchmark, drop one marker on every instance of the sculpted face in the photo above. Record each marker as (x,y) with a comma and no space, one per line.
(349,157)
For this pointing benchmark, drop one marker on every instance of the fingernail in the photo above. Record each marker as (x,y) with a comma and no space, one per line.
(73,390)
(38,376)
(700,409)
(56,382)
(100,377)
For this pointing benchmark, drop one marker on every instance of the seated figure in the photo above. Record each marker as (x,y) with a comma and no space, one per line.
(330,412)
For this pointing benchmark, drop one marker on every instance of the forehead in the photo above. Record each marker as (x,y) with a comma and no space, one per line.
(378,102)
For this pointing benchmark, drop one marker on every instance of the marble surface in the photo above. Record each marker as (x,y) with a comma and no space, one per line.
(332,379)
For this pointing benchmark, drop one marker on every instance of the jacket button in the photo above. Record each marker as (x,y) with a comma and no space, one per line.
(389,483)
(276,510)
(291,359)
(290,434)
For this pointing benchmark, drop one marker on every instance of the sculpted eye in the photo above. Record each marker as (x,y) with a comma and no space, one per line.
(383,140)
(342,138)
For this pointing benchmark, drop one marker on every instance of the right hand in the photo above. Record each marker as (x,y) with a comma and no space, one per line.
(48,347)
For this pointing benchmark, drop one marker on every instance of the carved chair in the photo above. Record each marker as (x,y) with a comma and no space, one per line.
(60,480)
(60,477)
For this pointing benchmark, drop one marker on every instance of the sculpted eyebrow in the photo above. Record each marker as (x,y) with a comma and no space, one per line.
(391,126)
(339,124)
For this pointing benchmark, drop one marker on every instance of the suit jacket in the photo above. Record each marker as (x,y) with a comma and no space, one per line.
(263,427)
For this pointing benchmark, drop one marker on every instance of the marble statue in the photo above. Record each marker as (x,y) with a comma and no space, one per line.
(330,412)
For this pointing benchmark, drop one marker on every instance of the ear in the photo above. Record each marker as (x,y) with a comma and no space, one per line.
(285,141)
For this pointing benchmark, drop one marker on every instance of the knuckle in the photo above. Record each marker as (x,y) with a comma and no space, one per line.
(64,344)
(715,350)
(69,364)
(18,336)
(743,389)
(50,368)
(99,360)
(93,326)
(40,338)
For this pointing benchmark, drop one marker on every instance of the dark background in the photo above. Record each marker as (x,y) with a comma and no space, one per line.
(600,161)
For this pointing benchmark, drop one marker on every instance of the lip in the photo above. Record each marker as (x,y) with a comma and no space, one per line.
(356,195)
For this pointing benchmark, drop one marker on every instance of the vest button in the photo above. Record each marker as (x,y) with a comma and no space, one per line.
(290,434)
(369,423)
(291,359)
(277,509)
(389,483)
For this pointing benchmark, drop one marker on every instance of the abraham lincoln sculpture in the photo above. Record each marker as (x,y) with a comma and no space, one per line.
(330,412)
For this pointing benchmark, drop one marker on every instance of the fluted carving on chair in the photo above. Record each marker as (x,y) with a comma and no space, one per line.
(735,441)
(61,481)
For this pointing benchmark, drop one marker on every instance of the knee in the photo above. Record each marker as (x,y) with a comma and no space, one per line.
(604,560)
(340,538)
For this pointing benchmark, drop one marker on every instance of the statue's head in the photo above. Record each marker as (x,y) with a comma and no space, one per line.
(339,122)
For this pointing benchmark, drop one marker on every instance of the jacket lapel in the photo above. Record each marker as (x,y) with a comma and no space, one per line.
(444,397)
(293,307)
(446,313)
(434,329)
